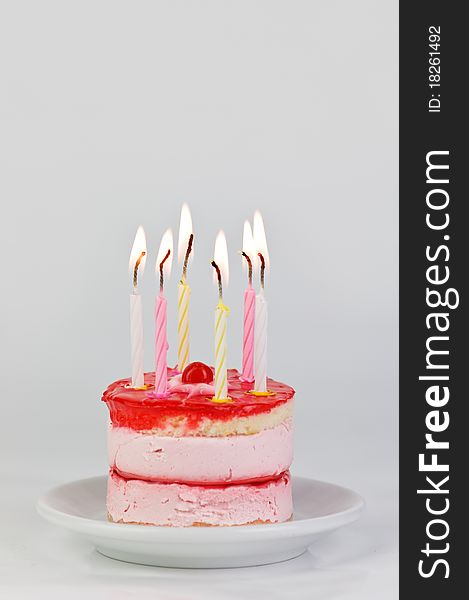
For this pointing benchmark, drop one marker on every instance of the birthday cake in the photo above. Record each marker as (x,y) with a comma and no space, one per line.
(200,445)
(186,460)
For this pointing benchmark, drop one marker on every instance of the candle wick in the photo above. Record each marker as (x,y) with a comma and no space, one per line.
(186,258)
(249,267)
(262,269)
(161,270)
(137,264)
(220,287)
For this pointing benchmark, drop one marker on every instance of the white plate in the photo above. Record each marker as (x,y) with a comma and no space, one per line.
(319,508)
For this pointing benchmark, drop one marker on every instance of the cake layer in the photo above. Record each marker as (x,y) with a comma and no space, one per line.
(190,409)
(202,460)
(181,505)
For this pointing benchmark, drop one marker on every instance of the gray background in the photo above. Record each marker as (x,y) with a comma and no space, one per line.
(114,113)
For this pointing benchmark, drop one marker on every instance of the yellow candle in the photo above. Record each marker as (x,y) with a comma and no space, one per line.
(220,264)
(221,384)
(184,292)
(186,238)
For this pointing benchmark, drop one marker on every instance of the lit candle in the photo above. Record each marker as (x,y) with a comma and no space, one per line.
(260,326)
(249,308)
(221,272)
(186,238)
(163,267)
(136,267)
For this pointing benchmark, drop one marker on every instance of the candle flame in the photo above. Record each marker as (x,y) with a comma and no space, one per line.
(249,250)
(166,244)
(138,254)
(248,242)
(185,231)
(260,241)
(220,256)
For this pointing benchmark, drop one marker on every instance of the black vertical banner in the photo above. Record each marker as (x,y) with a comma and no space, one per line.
(434,267)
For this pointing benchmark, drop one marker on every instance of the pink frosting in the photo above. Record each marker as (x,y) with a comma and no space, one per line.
(179,505)
(197,459)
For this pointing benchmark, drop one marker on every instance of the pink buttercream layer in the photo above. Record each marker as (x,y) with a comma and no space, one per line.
(180,505)
(198,459)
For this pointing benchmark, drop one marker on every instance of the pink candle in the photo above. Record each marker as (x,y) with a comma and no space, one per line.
(249,308)
(163,266)
(248,334)
(161,346)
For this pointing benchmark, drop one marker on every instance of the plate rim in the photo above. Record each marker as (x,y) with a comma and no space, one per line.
(102,528)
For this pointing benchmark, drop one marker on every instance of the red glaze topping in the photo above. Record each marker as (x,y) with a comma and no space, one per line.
(197,372)
(137,410)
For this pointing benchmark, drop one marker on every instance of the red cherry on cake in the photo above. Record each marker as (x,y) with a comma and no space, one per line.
(197,372)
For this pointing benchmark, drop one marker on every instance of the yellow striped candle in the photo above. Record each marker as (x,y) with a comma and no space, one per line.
(184,293)
(220,264)
(186,238)
(221,386)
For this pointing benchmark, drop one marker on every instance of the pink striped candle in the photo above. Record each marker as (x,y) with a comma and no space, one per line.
(248,334)
(249,308)
(161,346)
(163,265)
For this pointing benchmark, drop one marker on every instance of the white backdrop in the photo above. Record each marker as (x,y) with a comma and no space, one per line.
(114,113)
